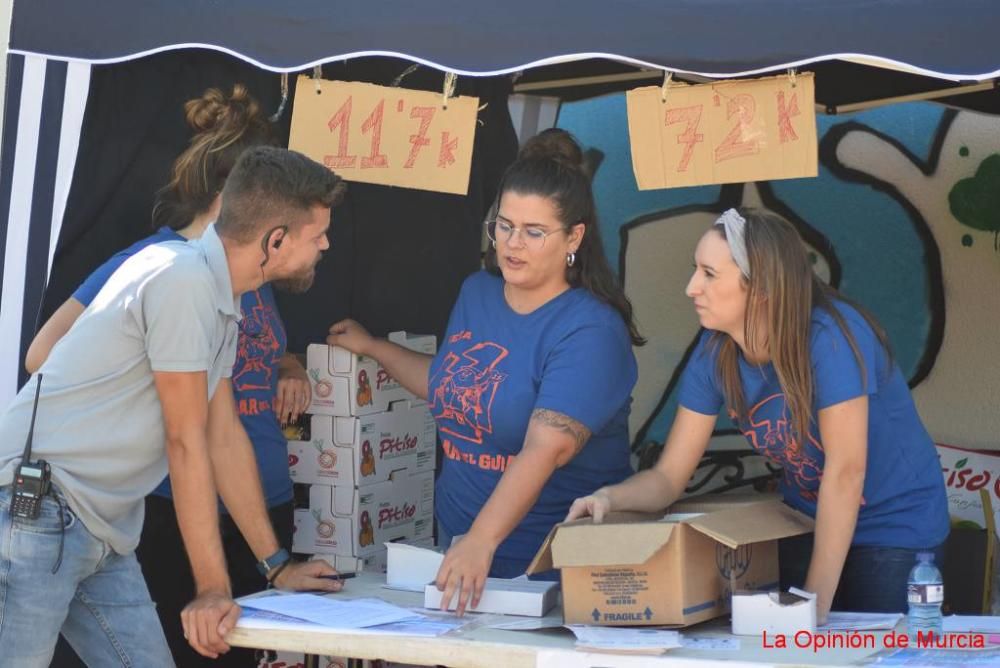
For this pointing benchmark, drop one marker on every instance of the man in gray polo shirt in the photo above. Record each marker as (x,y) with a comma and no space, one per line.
(141,382)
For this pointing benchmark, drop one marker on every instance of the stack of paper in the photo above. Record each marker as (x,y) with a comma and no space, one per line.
(308,612)
(624,640)
(332,613)
(971,624)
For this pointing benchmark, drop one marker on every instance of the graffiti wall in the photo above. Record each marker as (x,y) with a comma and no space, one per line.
(904,218)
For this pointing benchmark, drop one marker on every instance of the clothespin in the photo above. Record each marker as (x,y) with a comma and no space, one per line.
(284,99)
(791,76)
(317,78)
(667,77)
(450,83)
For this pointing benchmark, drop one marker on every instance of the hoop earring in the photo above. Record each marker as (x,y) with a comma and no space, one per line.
(570,259)
(493,243)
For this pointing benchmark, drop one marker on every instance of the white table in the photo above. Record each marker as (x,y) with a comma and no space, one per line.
(482,647)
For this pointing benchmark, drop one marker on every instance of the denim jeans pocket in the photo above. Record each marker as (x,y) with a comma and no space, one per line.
(53,517)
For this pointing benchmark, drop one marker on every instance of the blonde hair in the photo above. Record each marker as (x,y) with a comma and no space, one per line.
(224,126)
(781,293)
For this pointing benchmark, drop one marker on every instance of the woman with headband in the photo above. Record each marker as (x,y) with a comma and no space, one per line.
(808,378)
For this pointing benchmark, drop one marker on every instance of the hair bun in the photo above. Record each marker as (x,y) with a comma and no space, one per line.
(213,111)
(554,144)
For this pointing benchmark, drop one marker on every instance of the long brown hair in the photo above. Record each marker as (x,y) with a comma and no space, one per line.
(551,165)
(224,126)
(782,292)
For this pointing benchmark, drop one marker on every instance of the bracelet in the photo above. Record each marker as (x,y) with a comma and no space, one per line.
(273,575)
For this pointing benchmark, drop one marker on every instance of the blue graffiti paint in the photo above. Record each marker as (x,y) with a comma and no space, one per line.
(862,224)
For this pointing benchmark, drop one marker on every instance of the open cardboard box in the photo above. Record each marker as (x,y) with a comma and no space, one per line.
(642,569)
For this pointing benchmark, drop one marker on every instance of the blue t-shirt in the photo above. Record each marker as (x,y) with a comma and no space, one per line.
(904,502)
(572,355)
(260,347)
(93,283)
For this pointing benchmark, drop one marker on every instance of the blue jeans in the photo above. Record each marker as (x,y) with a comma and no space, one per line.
(873,580)
(97,598)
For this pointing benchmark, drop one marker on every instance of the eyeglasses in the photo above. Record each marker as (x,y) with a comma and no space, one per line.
(532,237)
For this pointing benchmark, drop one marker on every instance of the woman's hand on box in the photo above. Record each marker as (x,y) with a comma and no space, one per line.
(597,505)
(351,335)
(463,572)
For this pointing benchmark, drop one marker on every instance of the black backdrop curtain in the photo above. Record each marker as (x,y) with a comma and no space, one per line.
(397,255)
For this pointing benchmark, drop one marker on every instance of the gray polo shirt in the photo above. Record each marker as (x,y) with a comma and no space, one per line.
(170,307)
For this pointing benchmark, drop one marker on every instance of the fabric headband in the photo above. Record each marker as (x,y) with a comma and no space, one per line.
(735,226)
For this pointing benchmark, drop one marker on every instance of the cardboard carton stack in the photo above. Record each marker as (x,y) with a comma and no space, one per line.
(368,460)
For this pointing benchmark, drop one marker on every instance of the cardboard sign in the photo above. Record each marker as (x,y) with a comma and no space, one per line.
(389,136)
(725,132)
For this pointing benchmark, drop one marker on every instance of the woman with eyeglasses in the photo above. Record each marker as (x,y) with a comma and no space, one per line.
(270,387)
(531,386)
(809,379)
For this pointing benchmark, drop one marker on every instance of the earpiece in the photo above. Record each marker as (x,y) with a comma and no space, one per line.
(266,240)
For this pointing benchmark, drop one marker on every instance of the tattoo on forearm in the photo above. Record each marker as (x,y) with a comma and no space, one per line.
(564,424)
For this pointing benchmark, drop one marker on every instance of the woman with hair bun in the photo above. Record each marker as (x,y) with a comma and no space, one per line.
(531,386)
(808,378)
(224,127)
(270,387)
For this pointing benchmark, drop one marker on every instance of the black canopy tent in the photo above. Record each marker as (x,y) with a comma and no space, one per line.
(861,50)
(94,91)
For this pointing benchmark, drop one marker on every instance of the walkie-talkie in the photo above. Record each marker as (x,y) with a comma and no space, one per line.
(32,480)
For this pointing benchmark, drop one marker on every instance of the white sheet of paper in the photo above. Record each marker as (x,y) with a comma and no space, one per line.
(417,627)
(605,637)
(341,614)
(251,618)
(860,621)
(971,623)
(423,626)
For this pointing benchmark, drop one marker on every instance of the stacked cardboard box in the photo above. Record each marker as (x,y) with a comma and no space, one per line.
(368,460)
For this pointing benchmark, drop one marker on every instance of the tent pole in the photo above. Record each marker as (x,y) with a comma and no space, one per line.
(916,97)
(652,75)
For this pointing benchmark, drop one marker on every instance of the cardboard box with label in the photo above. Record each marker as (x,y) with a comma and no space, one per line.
(641,569)
(345,384)
(356,521)
(360,451)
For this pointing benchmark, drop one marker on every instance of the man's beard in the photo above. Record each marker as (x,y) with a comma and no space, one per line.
(296,284)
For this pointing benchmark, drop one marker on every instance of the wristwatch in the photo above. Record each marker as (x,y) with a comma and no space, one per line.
(277,559)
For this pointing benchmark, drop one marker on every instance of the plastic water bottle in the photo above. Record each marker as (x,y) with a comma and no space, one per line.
(925,593)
